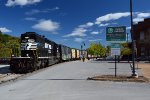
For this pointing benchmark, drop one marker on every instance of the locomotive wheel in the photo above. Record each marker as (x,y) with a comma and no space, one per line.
(47,63)
(33,65)
(42,64)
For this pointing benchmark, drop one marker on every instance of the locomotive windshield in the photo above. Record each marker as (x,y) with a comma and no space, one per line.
(28,40)
(24,41)
(31,40)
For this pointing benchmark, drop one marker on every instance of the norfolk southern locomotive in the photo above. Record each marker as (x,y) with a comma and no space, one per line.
(39,52)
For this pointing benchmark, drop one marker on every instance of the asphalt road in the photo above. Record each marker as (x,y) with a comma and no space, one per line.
(67,81)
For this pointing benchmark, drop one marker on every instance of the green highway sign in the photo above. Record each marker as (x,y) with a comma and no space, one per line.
(115,45)
(116,34)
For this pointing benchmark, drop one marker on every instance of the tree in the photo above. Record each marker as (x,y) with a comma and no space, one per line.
(97,49)
(7,44)
(108,50)
(126,50)
(91,49)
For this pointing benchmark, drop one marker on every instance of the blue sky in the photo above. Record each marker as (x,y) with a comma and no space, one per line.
(69,22)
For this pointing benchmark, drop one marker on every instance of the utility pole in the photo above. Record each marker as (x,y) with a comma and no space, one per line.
(82,45)
(82,54)
(132,38)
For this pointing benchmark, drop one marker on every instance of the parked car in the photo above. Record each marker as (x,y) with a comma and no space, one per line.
(110,58)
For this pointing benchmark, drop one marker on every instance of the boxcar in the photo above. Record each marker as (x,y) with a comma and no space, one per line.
(65,53)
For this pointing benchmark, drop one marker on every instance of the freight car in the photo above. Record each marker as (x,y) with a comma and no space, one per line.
(73,54)
(65,53)
(78,54)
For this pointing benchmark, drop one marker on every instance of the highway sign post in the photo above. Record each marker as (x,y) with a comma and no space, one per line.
(115,51)
(116,35)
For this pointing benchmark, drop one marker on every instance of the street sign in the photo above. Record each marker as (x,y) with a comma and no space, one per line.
(116,34)
(115,45)
(115,49)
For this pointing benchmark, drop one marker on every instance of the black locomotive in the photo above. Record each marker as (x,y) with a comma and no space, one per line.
(39,52)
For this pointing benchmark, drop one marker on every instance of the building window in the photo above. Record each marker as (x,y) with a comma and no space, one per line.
(142,51)
(142,36)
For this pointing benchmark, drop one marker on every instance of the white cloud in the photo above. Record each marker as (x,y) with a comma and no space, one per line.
(143,15)
(77,32)
(128,28)
(111,16)
(106,24)
(36,11)
(87,25)
(4,29)
(94,40)
(101,31)
(80,30)
(138,19)
(94,33)
(79,40)
(30,19)
(47,25)
(140,16)
(65,40)
(32,12)
(21,2)
(55,8)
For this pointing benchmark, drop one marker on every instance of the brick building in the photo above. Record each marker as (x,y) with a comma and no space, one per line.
(141,32)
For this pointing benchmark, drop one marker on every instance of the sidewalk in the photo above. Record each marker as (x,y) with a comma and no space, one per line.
(123,72)
(145,68)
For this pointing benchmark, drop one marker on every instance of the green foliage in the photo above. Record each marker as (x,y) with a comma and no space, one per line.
(108,50)
(126,50)
(97,49)
(8,44)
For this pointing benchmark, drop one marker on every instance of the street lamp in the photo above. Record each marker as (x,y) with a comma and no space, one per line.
(83,44)
(132,38)
(81,49)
